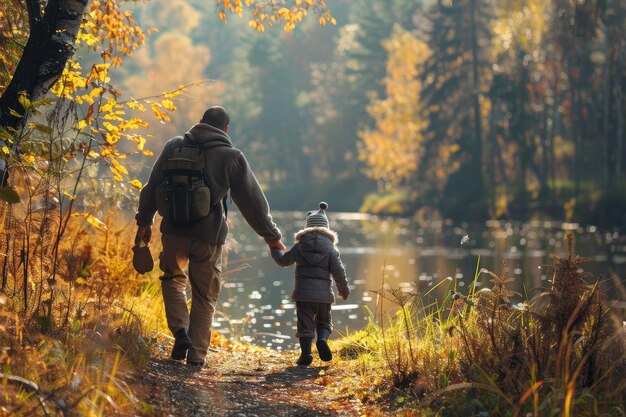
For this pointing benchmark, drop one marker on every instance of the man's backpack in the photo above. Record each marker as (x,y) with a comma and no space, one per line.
(183,197)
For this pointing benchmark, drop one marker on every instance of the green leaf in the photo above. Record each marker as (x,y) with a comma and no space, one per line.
(40,127)
(24,101)
(9,195)
(15,114)
(43,102)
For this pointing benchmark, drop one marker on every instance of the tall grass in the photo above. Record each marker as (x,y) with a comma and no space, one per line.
(72,328)
(559,353)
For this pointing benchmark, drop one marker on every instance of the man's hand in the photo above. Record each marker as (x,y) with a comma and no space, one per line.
(344,296)
(144,234)
(276,244)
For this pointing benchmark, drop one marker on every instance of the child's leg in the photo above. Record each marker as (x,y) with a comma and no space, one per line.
(306,330)
(323,325)
(305,358)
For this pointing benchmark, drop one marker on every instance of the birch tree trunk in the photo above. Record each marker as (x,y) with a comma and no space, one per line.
(50,44)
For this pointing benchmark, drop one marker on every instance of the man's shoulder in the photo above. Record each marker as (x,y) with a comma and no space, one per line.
(173,142)
(234,154)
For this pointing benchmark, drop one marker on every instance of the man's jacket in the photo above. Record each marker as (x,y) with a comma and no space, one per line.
(226,168)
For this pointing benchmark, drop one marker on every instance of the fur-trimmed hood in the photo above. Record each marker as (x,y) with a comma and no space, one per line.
(332,235)
(316,243)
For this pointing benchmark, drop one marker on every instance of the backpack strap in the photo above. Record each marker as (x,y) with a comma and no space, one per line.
(189,140)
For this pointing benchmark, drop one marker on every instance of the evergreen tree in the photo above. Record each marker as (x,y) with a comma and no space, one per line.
(260,95)
(520,93)
(455,77)
(613,37)
(366,57)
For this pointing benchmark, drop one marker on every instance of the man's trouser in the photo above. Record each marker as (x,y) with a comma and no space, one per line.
(205,269)
(311,317)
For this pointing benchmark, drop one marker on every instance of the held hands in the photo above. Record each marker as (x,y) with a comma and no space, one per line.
(276,244)
(144,234)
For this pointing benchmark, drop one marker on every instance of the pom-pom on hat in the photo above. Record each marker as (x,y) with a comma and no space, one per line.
(318,218)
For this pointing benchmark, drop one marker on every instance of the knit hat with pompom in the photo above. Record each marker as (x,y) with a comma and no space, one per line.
(318,218)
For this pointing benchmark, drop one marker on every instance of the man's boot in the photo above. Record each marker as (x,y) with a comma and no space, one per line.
(182,343)
(305,358)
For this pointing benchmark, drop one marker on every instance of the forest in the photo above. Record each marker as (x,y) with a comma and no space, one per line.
(468,110)
(429,114)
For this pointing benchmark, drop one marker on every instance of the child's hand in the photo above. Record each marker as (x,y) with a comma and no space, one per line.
(277,244)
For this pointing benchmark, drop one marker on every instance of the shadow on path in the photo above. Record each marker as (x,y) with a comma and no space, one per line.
(237,384)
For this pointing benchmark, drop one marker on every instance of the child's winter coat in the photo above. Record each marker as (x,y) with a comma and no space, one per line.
(316,259)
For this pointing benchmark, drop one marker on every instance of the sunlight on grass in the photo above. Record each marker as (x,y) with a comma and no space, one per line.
(71,345)
(559,353)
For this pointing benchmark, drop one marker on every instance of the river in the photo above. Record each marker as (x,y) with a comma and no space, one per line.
(255,306)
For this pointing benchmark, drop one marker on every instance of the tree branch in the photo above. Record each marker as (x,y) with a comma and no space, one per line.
(34,13)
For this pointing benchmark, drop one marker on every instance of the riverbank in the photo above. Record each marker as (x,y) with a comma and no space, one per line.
(476,353)
(484,351)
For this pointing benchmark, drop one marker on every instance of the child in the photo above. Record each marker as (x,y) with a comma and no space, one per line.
(316,259)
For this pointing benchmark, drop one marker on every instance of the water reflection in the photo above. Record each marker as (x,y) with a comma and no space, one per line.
(255,305)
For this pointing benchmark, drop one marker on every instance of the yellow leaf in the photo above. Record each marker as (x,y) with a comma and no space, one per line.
(135,105)
(94,221)
(86,98)
(322,21)
(168,104)
(161,115)
(105,108)
(5,150)
(137,184)
(81,124)
(175,93)
(100,71)
(70,196)
(119,167)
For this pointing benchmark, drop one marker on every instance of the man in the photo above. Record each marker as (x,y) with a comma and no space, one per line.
(200,245)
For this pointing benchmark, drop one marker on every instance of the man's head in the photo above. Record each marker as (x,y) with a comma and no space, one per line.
(216,116)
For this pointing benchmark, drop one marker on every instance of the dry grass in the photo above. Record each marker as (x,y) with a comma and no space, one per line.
(78,323)
(558,354)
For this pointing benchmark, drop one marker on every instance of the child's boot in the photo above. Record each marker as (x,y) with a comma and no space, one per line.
(322,344)
(305,358)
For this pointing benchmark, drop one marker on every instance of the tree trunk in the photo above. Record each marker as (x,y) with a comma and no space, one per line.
(478,139)
(525,153)
(50,45)
(606,133)
(619,97)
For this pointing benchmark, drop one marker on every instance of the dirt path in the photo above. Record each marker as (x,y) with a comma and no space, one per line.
(244,381)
